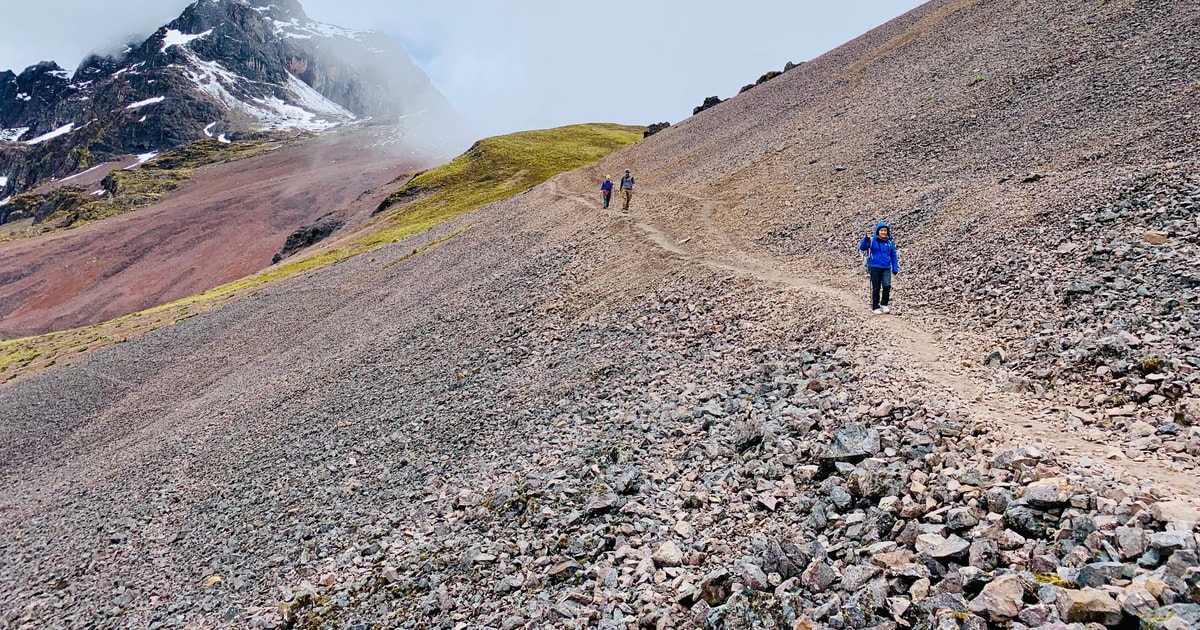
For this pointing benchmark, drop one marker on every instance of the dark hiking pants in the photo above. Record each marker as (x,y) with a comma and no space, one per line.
(607,195)
(881,283)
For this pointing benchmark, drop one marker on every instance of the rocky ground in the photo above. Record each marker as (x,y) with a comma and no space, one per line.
(698,449)
(684,416)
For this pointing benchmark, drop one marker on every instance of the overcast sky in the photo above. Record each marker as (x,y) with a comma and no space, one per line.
(521,64)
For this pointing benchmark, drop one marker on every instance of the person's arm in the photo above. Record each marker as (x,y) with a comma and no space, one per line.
(895,261)
(864,244)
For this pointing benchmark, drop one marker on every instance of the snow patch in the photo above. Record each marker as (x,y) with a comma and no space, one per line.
(142,159)
(61,131)
(131,69)
(149,101)
(181,39)
(143,119)
(80,174)
(314,101)
(208,130)
(316,112)
(12,135)
(3,181)
(62,74)
(223,140)
(97,193)
(24,97)
(295,30)
(4,202)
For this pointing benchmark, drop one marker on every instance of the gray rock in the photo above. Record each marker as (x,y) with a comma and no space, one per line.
(954,548)
(668,554)
(818,576)
(857,575)
(984,554)
(786,559)
(753,577)
(1174,617)
(1088,605)
(1099,574)
(1000,600)
(961,518)
(1048,493)
(1130,542)
(1164,541)
(852,443)
(602,504)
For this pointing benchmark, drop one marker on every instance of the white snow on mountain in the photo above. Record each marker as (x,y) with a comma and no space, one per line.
(181,39)
(3,181)
(61,131)
(80,173)
(4,202)
(12,135)
(208,130)
(142,159)
(24,97)
(149,101)
(308,98)
(295,30)
(131,69)
(314,112)
(62,74)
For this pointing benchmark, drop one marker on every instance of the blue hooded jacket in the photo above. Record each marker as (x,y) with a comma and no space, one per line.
(882,252)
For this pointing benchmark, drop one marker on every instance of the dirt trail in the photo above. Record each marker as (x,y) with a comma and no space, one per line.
(909,343)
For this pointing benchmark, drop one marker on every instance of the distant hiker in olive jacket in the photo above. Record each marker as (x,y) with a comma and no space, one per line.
(627,188)
(606,190)
(880,258)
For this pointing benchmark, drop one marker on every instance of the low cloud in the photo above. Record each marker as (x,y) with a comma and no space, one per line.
(527,63)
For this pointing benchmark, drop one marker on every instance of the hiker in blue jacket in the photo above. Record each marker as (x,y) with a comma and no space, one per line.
(880,254)
(606,191)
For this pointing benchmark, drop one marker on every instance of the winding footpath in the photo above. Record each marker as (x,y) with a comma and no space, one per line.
(910,343)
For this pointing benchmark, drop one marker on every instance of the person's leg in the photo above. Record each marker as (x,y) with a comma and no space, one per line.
(886,281)
(628,198)
(876,283)
(607,195)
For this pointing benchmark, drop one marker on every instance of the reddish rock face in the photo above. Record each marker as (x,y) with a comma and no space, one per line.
(225,223)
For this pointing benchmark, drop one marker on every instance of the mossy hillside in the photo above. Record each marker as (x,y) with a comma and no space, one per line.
(492,170)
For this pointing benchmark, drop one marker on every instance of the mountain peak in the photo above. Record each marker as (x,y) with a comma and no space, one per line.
(222,68)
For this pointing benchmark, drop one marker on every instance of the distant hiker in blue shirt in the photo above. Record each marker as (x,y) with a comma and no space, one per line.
(627,188)
(606,190)
(879,255)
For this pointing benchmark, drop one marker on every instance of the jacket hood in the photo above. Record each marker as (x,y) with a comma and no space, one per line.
(880,226)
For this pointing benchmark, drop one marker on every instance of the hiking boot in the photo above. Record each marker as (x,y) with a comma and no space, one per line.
(877,312)
(885,309)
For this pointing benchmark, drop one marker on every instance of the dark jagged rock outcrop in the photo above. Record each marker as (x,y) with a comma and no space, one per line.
(308,236)
(708,103)
(761,80)
(223,68)
(655,128)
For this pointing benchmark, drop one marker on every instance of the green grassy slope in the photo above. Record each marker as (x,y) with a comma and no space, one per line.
(492,170)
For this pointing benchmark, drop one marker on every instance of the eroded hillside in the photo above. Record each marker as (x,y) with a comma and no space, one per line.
(685,416)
